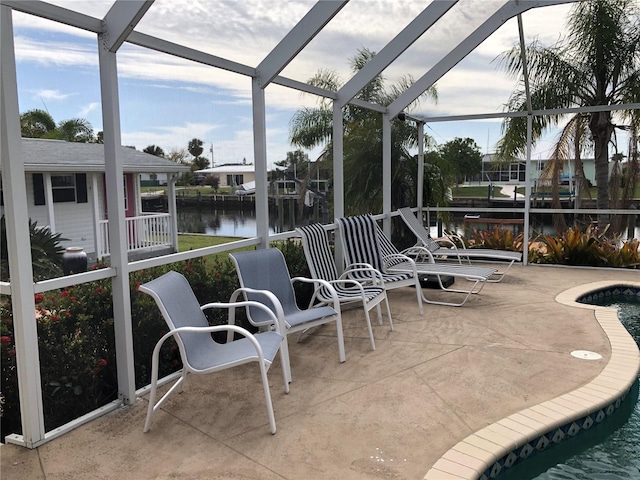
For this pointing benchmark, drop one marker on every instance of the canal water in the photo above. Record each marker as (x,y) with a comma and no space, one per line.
(242,223)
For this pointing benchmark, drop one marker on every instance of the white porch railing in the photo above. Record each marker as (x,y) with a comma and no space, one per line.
(144,232)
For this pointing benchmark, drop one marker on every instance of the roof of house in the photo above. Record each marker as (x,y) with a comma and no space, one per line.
(229,169)
(42,155)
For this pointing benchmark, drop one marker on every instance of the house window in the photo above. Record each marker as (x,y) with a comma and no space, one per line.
(63,188)
(235,180)
(124,178)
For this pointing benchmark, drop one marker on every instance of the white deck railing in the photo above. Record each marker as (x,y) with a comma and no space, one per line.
(143,233)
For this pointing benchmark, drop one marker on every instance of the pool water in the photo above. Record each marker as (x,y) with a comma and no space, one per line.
(611,451)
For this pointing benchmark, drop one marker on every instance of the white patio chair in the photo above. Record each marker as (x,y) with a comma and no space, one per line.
(435,249)
(322,265)
(370,242)
(199,352)
(264,278)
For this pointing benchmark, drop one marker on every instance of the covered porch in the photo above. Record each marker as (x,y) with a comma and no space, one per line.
(334,402)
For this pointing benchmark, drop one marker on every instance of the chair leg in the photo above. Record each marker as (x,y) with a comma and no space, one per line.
(379,312)
(419,295)
(267,395)
(386,302)
(368,319)
(340,335)
(286,364)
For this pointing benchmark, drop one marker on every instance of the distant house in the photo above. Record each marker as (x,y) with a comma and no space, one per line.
(230,175)
(514,172)
(66,191)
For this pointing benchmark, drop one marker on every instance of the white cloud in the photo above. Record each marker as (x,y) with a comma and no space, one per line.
(88,109)
(52,95)
(247,31)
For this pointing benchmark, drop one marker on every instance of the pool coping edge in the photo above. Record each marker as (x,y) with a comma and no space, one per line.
(607,388)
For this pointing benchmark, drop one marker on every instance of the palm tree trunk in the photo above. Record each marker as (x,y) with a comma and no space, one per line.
(601,130)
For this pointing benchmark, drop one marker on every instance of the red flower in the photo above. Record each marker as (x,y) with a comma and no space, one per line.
(55,318)
(5,339)
(102,362)
(38,297)
(99,290)
(67,314)
(12,352)
(65,293)
(74,299)
(138,286)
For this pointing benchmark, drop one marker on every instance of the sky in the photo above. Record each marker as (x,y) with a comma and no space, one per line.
(167,101)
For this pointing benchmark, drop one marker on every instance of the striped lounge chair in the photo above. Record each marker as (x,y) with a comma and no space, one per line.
(364,242)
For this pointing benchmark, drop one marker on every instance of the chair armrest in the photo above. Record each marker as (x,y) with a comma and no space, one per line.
(208,330)
(324,283)
(454,236)
(386,261)
(362,267)
(277,307)
(419,253)
(233,305)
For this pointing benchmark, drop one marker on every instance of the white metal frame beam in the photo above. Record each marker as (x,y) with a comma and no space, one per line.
(56,14)
(25,329)
(296,39)
(393,49)
(121,19)
(504,13)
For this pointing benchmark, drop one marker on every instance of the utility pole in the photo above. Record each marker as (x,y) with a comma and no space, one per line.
(211,150)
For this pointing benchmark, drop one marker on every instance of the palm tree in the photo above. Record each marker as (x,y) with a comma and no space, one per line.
(154,150)
(36,123)
(311,127)
(74,130)
(597,65)
(195,147)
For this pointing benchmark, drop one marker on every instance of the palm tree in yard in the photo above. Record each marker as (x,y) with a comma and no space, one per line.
(36,123)
(74,130)
(311,127)
(597,64)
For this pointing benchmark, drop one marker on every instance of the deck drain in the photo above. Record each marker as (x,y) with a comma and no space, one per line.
(586,355)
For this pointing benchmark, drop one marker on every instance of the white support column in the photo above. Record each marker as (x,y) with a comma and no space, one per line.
(420,186)
(386,174)
(260,158)
(95,200)
(18,245)
(338,161)
(527,192)
(48,194)
(338,177)
(173,210)
(117,229)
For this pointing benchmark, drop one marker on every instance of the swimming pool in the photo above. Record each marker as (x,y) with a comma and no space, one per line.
(611,450)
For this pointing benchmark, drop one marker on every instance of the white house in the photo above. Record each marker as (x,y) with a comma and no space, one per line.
(66,191)
(231,175)
(514,172)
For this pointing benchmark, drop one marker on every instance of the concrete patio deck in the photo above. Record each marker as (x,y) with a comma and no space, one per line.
(389,413)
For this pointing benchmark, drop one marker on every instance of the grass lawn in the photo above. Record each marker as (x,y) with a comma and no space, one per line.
(192,242)
(191,190)
(479,191)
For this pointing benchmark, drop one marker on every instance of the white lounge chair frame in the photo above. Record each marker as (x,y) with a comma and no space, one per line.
(200,354)
(393,261)
(436,250)
(322,266)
